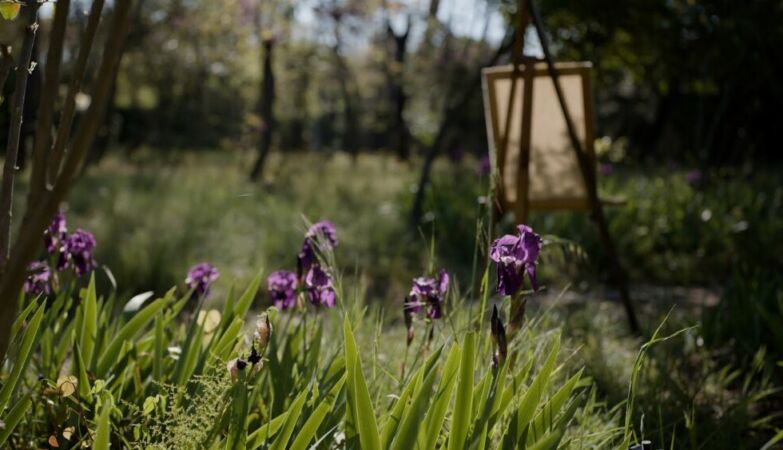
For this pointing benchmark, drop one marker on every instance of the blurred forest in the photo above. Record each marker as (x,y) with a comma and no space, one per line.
(689,81)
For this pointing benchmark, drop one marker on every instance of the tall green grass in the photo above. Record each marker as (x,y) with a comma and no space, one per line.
(88,373)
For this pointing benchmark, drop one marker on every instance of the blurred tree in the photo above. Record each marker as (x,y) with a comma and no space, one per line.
(186,81)
(338,13)
(271,23)
(398,132)
(454,87)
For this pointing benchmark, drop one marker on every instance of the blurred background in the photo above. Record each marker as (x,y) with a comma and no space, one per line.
(336,108)
(234,122)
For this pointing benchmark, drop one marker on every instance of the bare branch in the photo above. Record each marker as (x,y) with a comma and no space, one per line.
(69,108)
(23,70)
(43,134)
(85,135)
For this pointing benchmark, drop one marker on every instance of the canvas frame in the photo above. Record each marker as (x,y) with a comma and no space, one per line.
(530,72)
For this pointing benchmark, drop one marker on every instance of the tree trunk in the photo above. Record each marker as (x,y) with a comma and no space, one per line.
(23,70)
(266,109)
(399,133)
(350,129)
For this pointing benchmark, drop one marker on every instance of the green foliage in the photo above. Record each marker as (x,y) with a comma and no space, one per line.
(164,367)
(156,379)
(748,317)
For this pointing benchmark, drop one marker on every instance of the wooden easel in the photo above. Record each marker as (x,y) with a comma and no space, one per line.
(524,67)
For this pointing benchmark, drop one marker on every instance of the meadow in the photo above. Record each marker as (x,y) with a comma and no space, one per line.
(577,377)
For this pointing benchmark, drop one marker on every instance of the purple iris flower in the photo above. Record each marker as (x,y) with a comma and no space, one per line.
(77,252)
(54,235)
(606,169)
(319,287)
(429,292)
(200,277)
(322,233)
(282,289)
(38,279)
(326,229)
(306,258)
(516,255)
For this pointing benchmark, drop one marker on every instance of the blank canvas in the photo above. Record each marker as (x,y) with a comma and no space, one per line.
(555,179)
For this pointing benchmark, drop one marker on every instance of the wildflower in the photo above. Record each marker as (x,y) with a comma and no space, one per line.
(322,233)
(499,336)
(200,277)
(428,292)
(443,282)
(55,233)
(606,169)
(516,255)
(319,287)
(77,252)
(326,229)
(282,289)
(263,331)
(235,366)
(38,280)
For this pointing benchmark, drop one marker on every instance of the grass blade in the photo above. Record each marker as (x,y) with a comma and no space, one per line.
(260,435)
(89,328)
(415,413)
(127,332)
(308,430)
(14,416)
(243,304)
(281,441)
(428,436)
(393,419)
(81,373)
(103,430)
(22,358)
(359,403)
(237,435)
(527,406)
(464,402)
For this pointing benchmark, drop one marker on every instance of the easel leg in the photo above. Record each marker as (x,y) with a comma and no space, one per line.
(588,172)
(618,273)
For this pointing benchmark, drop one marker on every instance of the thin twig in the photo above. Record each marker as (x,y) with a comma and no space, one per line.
(43,134)
(69,108)
(85,134)
(23,70)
